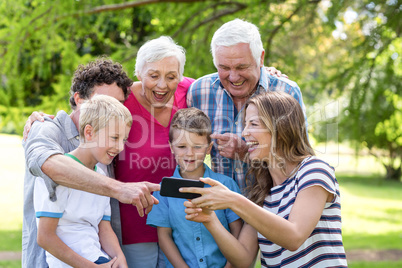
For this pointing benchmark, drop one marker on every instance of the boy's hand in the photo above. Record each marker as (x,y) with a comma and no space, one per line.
(197,214)
(109,264)
(119,263)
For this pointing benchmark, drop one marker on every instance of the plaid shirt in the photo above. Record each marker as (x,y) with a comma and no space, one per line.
(208,94)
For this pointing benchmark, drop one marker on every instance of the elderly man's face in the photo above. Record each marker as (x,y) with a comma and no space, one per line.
(237,69)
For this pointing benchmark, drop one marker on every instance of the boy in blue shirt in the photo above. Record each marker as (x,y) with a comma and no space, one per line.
(75,230)
(186,243)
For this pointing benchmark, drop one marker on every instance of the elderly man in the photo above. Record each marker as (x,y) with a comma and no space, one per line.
(238,55)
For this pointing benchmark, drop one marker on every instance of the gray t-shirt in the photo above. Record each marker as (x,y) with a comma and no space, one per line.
(57,136)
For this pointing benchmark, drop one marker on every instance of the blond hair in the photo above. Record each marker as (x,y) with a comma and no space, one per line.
(99,110)
(283,117)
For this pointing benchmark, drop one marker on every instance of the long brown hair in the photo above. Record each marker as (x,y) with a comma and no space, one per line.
(282,115)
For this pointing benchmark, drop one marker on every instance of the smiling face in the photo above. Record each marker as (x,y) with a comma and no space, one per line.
(109,141)
(159,81)
(258,137)
(190,150)
(238,70)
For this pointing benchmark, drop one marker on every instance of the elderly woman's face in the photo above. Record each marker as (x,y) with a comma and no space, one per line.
(159,81)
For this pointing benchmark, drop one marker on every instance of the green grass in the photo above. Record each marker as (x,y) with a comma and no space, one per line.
(380,264)
(371,212)
(10,240)
(10,264)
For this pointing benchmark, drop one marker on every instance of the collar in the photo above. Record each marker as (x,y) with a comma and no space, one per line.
(67,125)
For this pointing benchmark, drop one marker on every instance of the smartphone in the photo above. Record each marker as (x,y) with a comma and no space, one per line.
(170,187)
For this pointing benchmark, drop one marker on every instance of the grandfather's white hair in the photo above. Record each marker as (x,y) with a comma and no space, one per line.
(157,49)
(235,32)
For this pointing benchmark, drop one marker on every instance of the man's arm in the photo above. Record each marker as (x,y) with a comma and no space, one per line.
(44,155)
(67,172)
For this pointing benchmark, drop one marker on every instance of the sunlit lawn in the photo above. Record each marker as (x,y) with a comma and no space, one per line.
(371,207)
(371,213)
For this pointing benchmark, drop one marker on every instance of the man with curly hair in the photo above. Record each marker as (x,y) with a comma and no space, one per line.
(49,140)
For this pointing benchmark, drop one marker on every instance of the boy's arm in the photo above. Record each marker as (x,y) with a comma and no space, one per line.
(240,251)
(49,241)
(110,244)
(169,248)
(235,228)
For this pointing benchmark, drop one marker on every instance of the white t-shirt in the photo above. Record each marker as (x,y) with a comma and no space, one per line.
(79,215)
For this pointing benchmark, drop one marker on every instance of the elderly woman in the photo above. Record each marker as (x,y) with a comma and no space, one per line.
(153,101)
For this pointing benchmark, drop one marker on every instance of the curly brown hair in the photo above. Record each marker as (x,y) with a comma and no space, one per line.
(96,73)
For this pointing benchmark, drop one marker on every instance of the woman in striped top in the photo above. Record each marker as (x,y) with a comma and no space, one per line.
(293,212)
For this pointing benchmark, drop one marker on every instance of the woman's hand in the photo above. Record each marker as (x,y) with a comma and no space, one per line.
(273,71)
(218,196)
(35,116)
(197,214)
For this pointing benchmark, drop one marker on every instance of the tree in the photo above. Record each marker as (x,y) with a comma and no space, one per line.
(331,48)
(366,72)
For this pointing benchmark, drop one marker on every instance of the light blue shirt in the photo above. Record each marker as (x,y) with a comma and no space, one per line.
(196,245)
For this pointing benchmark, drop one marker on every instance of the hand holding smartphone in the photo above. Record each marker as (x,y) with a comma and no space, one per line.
(170,187)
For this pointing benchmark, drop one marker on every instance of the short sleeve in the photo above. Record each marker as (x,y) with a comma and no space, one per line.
(44,207)
(159,215)
(189,97)
(108,213)
(181,92)
(315,172)
(41,144)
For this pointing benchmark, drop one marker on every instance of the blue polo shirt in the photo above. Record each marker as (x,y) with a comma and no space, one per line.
(196,245)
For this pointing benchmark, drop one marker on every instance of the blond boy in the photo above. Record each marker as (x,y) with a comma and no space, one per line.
(75,230)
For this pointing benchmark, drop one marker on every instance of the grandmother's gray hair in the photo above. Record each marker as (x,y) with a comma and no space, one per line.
(235,32)
(158,49)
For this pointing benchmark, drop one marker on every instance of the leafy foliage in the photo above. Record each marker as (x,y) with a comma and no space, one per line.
(346,49)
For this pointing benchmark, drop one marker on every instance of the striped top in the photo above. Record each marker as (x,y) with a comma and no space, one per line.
(208,95)
(324,247)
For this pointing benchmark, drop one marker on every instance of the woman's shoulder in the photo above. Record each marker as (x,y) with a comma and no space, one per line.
(134,98)
(187,81)
(181,92)
(313,171)
(313,162)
